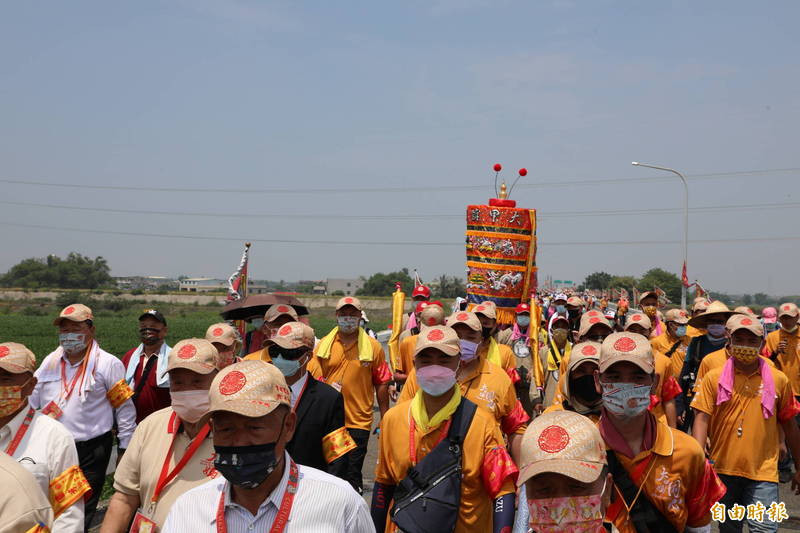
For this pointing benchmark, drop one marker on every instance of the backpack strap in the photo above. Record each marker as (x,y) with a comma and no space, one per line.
(462,419)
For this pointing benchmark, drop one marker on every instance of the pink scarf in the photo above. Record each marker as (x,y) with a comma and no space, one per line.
(725,386)
(517,334)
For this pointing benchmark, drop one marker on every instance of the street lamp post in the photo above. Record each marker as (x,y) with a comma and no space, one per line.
(685,219)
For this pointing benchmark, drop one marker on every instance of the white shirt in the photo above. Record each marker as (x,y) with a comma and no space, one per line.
(87,413)
(323,503)
(47,451)
(297,388)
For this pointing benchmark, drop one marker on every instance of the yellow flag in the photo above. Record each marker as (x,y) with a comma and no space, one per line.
(536,321)
(398,302)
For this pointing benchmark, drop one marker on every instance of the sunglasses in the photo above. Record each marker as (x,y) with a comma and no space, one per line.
(289,355)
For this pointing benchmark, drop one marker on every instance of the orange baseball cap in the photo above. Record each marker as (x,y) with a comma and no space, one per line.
(640,319)
(626,346)
(75,313)
(16,358)
(441,338)
(251,388)
(487,309)
(742,321)
(348,300)
(432,315)
(222,333)
(294,335)
(197,355)
(562,442)
(588,320)
(464,317)
(278,310)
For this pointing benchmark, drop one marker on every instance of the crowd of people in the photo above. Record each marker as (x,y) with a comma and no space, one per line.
(576,417)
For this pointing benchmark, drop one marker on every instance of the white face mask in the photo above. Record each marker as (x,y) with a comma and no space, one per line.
(190,405)
(72,342)
(348,324)
(626,399)
(257,323)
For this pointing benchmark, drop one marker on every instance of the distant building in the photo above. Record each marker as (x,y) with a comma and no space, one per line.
(146,282)
(318,289)
(348,287)
(257,288)
(203,284)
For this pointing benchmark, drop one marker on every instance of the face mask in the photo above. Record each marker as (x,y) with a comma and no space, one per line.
(626,400)
(11,398)
(680,331)
(791,330)
(769,328)
(716,330)
(583,388)
(149,336)
(257,323)
(578,514)
(288,367)
(523,321)
(560,335)
(560,309)
(436,379)
(348,324)
(744,354)
(649,310)
(72,342)
(190,405)
(246,466)
(469,350)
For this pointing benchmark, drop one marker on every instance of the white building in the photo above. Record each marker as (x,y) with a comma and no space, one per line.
(203,284)
(348,287)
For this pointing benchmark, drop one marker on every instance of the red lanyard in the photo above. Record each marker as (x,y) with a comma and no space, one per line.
(164,478)
(412,442)
(66,391)
(283,512)
(12,446)
(297,401)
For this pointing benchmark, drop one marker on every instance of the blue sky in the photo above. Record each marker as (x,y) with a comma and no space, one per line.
(420,96)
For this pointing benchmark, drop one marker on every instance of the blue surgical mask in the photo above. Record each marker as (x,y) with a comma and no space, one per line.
(469,350)
(681,331)
(716,331)
(523,321)
(561,309)
(288,367)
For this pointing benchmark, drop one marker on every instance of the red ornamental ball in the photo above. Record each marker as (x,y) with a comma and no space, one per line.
(498,167)
(523,172)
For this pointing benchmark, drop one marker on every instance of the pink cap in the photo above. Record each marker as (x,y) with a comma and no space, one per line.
(769,315)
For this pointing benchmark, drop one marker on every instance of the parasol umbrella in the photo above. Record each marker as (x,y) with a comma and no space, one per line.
(257,304)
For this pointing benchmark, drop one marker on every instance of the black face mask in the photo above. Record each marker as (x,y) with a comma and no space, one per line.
(583,389)
(246,466)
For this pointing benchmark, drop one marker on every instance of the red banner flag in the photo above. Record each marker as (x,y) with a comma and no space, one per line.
(684,277)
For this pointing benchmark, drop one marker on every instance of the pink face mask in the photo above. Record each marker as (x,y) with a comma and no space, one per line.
(577,514)
(436,379)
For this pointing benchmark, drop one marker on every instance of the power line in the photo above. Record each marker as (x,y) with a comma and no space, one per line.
(403,189)
(390,243)
(422,217)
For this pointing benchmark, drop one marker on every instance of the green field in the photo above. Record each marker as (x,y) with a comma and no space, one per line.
(117,330)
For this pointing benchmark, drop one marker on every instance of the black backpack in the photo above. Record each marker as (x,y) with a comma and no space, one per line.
(428,498)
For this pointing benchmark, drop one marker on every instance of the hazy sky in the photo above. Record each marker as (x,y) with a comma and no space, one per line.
(333,97)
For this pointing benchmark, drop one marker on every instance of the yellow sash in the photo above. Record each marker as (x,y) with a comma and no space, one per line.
(420,414)
(552,363)
(67,488)
(364,345)
(494,353)
(337,443)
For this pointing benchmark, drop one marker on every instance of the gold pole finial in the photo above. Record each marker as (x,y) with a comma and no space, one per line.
(503,192)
